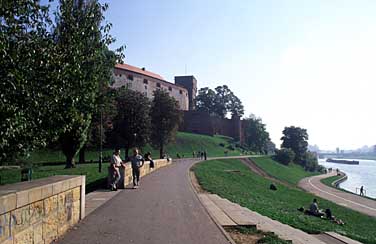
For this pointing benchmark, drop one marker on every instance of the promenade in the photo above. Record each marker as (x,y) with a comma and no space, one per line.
(164,209)
(355,202)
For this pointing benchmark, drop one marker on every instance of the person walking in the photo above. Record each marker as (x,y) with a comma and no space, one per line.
(137,162)
(116,163)
(361,191)
(205,156)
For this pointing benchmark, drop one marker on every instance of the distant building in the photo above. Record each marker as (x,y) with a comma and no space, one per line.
(146,82)
(190,82)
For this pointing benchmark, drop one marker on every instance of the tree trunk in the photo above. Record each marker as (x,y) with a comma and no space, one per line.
(70,162)
(126,153)
(82,155)
(161,151)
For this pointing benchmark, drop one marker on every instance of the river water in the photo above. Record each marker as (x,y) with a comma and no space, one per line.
(363,174)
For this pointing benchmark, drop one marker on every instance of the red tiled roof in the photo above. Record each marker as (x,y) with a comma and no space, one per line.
(139,71)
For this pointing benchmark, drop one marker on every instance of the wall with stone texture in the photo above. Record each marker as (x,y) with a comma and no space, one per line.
(40,211)
(126,172)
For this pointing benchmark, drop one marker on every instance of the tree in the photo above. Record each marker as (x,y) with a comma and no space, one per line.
(284,156)
(165,119)
(132,123)
(26,95)
(219,102)
(310,162)
(296,139)
(205,100)
(255,135)
(81,45)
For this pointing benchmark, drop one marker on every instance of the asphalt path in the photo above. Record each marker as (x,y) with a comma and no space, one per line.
(361,204)
(164,209)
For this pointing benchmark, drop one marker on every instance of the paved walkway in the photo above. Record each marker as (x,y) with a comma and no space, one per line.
(355,202)
(163,210)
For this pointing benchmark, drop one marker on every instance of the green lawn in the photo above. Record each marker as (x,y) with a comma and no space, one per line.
(93,177)
(252,191)
(184,144)
(328,181)
(292,173)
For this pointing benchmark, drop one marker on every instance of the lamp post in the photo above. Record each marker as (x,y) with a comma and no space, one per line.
(101,144)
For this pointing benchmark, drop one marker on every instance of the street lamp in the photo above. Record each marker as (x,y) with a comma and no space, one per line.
(101,144)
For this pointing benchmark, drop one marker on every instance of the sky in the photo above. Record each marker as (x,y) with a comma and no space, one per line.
(291,62)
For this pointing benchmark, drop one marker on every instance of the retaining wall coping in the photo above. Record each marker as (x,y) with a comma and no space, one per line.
(16,195)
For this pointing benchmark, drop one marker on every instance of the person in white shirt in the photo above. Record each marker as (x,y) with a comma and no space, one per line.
(116,163)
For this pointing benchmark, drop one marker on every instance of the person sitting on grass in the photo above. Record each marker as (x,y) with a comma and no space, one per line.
(314,209)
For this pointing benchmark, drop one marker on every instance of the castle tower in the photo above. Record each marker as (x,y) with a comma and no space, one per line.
(190,83)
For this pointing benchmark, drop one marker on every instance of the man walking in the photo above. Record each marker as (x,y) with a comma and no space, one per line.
(116,163)
(361,191)
(137,162)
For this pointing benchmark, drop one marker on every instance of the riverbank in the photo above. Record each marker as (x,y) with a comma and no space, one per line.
(233,180)
(357,176)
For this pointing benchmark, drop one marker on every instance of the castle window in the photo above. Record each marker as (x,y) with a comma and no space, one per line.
(130,77)
(120,75)
(169,88)
(158,84)
(145,81)
(181,92)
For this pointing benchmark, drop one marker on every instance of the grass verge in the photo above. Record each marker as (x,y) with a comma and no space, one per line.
(252,191)
(94,179)
(250,235)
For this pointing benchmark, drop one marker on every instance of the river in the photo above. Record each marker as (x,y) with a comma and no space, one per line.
(363,174)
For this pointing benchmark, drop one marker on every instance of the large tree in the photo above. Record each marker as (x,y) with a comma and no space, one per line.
(296,139)
(165,118)
(256,137)
(219,102)
(132,123)
(82,64)
(26,96)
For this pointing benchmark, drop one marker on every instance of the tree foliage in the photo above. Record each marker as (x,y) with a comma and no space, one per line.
(284,156)
(255,135)
(26,54)
(132,123)
(81,48)
(219,102)
(165,119)
(296,139)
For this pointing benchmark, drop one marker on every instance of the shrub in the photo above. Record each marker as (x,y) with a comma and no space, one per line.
(310,161)
(231,147)
(284,156)
(222,144)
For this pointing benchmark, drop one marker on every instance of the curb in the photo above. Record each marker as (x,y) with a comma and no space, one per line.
(224,232)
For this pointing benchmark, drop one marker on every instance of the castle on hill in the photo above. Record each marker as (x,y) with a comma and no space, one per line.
(184,90)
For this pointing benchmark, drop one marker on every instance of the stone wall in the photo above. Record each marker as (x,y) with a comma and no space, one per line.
(126,172)
(40,211)
(202,123)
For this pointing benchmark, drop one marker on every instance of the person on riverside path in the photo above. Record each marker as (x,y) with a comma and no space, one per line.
(137,162)
(361,191)
(116,163)
(147,157)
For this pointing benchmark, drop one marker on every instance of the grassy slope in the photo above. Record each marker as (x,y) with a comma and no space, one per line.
(185,144)
(292,173)
(93,177)
(252,191)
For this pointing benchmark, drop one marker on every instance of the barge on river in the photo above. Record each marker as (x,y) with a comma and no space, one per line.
(341,161)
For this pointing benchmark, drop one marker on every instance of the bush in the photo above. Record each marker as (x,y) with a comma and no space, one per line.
(310,162)
(284,156)
(222,144)
(231,147)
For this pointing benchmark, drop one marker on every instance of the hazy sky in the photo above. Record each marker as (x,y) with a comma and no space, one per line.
(306,63)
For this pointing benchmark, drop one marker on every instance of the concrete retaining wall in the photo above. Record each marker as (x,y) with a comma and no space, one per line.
(126,172)
(39,211)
